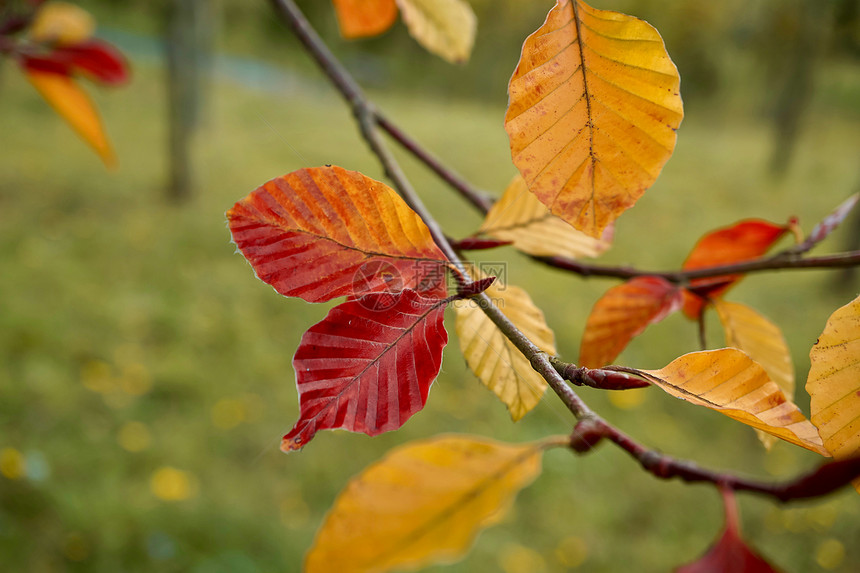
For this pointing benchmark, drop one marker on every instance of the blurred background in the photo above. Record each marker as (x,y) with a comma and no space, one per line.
(145,374)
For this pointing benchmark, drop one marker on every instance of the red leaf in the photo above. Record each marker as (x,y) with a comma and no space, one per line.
(623,312)
(730,553)
(327,232)
(743,241)
(368,366)
(98,60)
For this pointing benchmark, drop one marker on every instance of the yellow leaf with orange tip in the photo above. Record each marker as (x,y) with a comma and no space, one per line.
(494,359)
(593,108)
(444,27)
(422,503)
(730,382)
(363,18)
(762,341)
(76,107)
(61,23)
(834,383)
(519,217)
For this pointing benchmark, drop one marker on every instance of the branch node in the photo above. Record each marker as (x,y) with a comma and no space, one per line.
(587,434)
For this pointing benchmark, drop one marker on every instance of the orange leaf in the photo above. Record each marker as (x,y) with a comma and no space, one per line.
(622,313)
(743,241)
(75,106)
(363,18)
(326,232)
(728,381)
(594,105)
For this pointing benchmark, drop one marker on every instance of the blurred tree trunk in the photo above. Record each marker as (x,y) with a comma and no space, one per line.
(188,51)
(802,51)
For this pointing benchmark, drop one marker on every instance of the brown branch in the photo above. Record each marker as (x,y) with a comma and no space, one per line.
(590,428)
(823,480)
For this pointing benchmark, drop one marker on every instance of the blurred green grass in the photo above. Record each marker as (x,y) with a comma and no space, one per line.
(140,360)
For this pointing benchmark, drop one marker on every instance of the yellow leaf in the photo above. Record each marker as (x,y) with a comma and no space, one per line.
(75,106)
(594,105)
(834,383)
(423,503)
(362,18)
(762,341)
(497,363)
(62,23)
(728,381)
(444,27)
(519,217)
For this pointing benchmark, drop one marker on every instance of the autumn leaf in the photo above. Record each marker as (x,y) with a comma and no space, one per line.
(730,553)
(363,18)
(494,359)
(762,341)
(423,503)
(743,241)
(519,217)
(834,383)
(623,312)
(326,232)
(731,383)
(61,23)
(444,27)
(594,105)
(75,106)
(368,366)
(96,60)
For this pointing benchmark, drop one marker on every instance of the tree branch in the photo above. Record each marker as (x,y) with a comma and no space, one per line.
(591,428)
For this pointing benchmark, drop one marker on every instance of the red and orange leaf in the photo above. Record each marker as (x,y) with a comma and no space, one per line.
(594,105)
(743,241)
(363,18)
(326,232)
(731,383)
(368,366)
(622,313)
(75,106)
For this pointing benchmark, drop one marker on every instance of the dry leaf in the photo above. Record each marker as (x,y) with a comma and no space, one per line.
(594,105)
(728,381)
(519,217)
(444,27)
(834,383)
(423,503)
(494,359)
